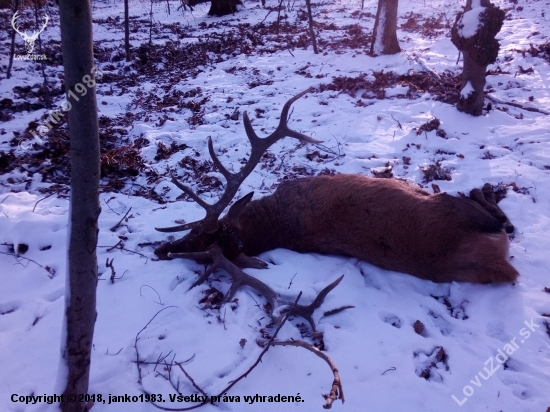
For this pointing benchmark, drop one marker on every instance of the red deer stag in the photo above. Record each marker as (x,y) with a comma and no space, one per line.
(386,222)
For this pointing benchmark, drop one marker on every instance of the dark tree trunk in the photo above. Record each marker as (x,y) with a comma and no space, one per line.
(471,95)
(479,50)
(47,98)
(311,32)
(80,311)
(223,7)
(384,34)
(12,45)
(127,30)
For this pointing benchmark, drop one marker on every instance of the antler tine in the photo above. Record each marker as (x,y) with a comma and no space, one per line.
(284,113)
(234,180)
(186,226)
(179,228)
(46,19)
(36,33)
(260,145)
(13,20)
(240,279)
(191,194)
(282,130)
(226,173)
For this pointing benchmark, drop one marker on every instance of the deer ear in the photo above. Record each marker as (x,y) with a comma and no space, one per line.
(237,208)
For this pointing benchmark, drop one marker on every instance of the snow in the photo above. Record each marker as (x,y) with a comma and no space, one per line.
(467,90)
(378,47)
(374,345)
(469,22)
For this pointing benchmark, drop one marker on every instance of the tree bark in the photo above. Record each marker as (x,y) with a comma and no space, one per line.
(80,296)
(12,42)
(384,34)
(479,50)
(127,30)
(471,97)
(311,32)
(223,7)
(47,98)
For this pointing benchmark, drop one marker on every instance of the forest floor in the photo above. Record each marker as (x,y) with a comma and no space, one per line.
(191,77)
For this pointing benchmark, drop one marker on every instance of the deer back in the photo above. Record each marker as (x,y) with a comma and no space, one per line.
(386,222)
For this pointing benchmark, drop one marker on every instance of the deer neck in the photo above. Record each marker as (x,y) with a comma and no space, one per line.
(261,226)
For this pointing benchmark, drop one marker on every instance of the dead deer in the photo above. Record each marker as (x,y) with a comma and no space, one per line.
(386,222)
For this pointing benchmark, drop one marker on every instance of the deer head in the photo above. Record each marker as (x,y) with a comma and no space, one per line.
(212,230)
(29,39)
(217,241)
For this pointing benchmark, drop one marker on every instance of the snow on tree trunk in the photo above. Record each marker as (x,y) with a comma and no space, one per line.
(474,33)
(384,34)
(223,7)
(80,294)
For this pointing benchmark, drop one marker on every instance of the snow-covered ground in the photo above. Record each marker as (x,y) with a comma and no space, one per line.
(384,364)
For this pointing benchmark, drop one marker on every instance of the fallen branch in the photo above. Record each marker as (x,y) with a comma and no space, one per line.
(232,383)
(44,198)
(115,227)
(336,392)
(18,258)
(495,99)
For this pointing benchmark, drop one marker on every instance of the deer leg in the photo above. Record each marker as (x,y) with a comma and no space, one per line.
(486,199)
(489,195)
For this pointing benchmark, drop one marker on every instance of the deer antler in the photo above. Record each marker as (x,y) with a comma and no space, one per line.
(46,19)
(240,279)
(234,180)
(13,24)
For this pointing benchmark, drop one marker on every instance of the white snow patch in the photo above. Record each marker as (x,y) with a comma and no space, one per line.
(467,90)
(378,47)
(469,22)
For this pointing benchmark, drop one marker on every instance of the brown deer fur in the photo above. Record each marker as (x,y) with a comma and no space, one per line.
(386,222)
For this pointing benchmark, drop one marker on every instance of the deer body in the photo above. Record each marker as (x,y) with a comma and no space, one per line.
(386,222)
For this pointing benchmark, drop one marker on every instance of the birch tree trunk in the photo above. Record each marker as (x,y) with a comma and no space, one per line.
(80,296)
(384,34)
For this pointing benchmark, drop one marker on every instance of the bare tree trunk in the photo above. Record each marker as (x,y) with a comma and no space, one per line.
(127,30)
(479,48)
(47,99)
(223,7)
(12,45)
(311,32)
(80,312)
(384,34)
(151,25)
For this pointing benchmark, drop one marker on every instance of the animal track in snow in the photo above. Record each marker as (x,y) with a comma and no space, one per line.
(9,307)
(456,310)
(440,323)
(391,319)
(428,365)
